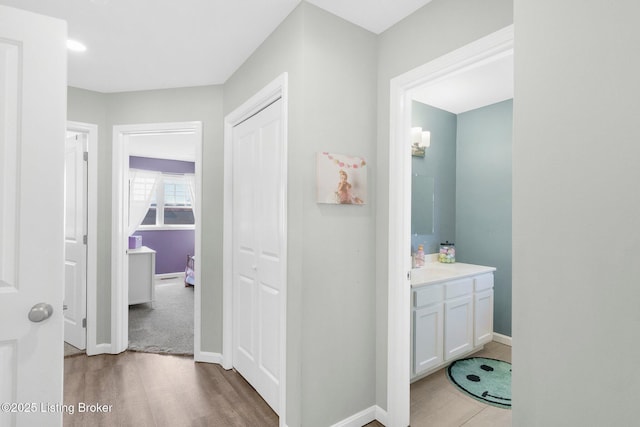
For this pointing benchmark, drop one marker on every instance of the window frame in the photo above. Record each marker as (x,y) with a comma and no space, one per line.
(160,205)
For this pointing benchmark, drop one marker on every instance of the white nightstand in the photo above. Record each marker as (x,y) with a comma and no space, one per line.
(142,268)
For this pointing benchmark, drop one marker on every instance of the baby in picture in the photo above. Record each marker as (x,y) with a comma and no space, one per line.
(344,191)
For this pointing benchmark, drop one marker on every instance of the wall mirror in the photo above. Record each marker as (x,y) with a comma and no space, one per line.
(422,204)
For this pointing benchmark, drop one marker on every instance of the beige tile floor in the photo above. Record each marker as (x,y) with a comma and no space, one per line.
(435,402)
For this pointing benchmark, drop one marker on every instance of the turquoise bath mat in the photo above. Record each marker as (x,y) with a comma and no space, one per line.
(487,380)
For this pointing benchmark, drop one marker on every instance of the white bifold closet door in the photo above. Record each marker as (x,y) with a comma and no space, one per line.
(258,230)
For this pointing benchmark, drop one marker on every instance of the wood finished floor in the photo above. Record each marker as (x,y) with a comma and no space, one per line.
(435,402)
(160,390)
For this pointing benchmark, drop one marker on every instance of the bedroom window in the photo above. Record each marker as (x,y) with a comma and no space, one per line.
(171,205)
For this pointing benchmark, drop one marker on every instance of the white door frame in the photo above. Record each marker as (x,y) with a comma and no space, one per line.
(91,131)
(484,50)
(270,93)
(120,242)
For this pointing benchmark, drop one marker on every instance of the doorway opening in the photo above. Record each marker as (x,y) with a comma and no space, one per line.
(81,223)
(403,90)
(157,193)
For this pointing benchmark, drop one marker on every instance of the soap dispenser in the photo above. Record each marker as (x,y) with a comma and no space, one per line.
(419,262)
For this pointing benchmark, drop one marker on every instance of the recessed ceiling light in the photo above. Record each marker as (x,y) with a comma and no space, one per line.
(75,46)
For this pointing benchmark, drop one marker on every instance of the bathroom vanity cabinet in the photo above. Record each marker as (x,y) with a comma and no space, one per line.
(452,314)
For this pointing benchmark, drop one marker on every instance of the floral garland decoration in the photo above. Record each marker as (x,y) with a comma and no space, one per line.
(343,164)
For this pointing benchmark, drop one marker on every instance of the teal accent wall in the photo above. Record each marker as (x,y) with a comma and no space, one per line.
(483,199)
(439,163)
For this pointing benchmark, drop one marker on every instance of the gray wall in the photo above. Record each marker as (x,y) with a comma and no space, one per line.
(282,52)
(483,199)
(434,30)
(203,104)
(576,210)
(439,162)
(339,88)
(338,363)
(90,107)
(331,285)
(171,105)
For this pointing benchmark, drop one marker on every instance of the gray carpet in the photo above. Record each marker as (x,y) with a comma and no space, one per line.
(168,326)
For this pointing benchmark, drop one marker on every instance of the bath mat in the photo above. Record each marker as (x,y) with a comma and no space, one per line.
(487,380)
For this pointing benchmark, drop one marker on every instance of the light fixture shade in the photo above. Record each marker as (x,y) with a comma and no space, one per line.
(420,138)
(416,135)
(425,139)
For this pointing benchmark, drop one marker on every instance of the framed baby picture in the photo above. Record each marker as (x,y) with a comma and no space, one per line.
(342,179)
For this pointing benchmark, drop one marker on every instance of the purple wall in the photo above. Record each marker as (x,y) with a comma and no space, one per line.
(169,166)
(171,246)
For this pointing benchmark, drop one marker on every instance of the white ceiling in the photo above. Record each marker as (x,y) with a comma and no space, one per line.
(154,44)
(471,88)
(374,15)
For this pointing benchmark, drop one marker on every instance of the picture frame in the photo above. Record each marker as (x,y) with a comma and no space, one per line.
(341,179)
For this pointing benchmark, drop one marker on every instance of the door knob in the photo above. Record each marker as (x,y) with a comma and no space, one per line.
(40,312)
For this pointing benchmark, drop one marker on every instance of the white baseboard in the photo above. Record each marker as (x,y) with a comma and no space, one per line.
(104,348)
(502,339)
(208,357)
(364,417)
(381,415)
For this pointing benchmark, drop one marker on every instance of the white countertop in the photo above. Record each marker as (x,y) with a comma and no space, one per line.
(141,250)
(434,272)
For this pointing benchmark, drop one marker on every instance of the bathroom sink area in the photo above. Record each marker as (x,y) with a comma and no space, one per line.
(434,272)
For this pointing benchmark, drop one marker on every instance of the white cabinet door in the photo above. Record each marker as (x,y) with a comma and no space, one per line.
(428,338)
(483,312)
(32,133)
(458,326)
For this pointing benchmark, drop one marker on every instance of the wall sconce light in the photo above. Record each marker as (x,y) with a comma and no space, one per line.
(420,140)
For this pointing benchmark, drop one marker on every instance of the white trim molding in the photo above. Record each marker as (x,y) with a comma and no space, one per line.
(277,89)
(119,244)
(502,339)
(364,417)
(91,131)
(208,357)
(104,348)
(484,50)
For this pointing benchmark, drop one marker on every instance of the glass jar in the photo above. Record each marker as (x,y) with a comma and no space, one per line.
(447,253)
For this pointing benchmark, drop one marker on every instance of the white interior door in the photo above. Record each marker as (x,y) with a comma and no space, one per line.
(258,224)
(32,132)
(75,246)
